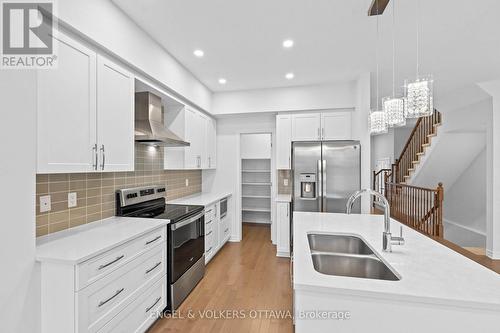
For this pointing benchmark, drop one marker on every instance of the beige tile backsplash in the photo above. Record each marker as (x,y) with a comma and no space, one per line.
(96,191)
(284,174)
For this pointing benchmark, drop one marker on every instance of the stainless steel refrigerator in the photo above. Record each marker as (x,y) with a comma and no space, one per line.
(325,174)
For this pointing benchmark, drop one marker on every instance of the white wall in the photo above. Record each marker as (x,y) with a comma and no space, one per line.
(382,146)
(227,175)
(401,135)
(19,284)
(361,132)
(493,172)
(465,206)
(106,25)
(320,97)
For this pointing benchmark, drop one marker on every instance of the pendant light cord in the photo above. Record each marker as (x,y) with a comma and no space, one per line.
(377,56)
(393,50)
(418,37)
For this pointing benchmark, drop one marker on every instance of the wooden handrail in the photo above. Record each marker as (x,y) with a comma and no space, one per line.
(417,207)
(419,137)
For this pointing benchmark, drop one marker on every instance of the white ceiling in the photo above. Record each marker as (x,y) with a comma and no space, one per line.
(334,40)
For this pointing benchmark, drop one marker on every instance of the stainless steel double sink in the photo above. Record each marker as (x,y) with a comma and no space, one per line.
(347,255)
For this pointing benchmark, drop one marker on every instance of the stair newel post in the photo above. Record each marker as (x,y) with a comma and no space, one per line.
(439,203)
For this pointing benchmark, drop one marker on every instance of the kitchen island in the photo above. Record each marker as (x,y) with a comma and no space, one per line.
(438,289)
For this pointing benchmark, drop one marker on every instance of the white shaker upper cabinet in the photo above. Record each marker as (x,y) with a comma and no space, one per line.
(283,141)
(67,110)
(306,127)
(115,117)
(191,151)
(211,143)
(336,125)
(203,141)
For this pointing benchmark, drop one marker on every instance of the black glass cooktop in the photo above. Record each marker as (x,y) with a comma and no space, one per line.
(176,213)
(157,209)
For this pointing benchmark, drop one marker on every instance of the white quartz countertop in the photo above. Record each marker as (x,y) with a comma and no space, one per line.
(284,198)
(79,244)
(429,271)
(201,199)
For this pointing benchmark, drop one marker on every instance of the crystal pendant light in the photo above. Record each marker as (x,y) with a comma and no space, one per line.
(378,120)
(378,123)
(394,107)
(419,93)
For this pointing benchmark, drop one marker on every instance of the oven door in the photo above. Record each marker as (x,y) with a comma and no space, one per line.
(186,244)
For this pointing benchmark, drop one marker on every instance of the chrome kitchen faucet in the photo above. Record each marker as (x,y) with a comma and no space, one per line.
(388,240)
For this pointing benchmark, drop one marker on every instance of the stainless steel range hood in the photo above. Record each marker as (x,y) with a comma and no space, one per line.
(149,126)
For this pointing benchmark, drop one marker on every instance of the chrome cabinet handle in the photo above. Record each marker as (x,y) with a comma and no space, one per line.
(210,249)
(118,292)
(103,154)
(209,233)
(153,240)
(226,230)
(153,268)
(152,305)
(209,162)
(111,262)
(323,133)
(94,157)
(319,133)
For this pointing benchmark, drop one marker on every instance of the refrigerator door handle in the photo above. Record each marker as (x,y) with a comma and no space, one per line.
(323,186)
(319,187)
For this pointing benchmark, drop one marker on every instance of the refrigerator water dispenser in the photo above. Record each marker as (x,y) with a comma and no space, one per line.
(308,185)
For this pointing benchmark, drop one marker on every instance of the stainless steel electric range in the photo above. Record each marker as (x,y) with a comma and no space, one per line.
(185,239)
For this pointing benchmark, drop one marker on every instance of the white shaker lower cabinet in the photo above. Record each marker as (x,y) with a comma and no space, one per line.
(119,290)
(283,229)
(217,230)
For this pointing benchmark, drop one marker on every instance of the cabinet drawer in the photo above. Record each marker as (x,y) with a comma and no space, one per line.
(225,229)
(101,301)
(98,267)
(209,213)
(209,241)
(142,312)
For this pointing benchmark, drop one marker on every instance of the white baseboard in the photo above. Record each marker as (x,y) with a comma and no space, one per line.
(461,226)
(284,254)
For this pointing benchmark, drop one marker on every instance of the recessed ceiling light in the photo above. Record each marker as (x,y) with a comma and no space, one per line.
(222,81)
(289,76)
(287,43)
(199,53)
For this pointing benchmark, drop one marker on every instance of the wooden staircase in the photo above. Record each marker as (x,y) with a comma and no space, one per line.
(418,207)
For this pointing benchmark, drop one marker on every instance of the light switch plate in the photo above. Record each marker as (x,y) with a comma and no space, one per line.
(45,205)
(71,199)
(187,181)
(285,182)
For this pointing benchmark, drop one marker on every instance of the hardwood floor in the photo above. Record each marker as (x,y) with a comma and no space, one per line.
(243,280)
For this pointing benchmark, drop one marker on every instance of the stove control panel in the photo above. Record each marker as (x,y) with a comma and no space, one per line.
(136,195)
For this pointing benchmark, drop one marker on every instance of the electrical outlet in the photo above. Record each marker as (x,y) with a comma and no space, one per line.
(45,205)
(71,199)
(285,182)
(187,181)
